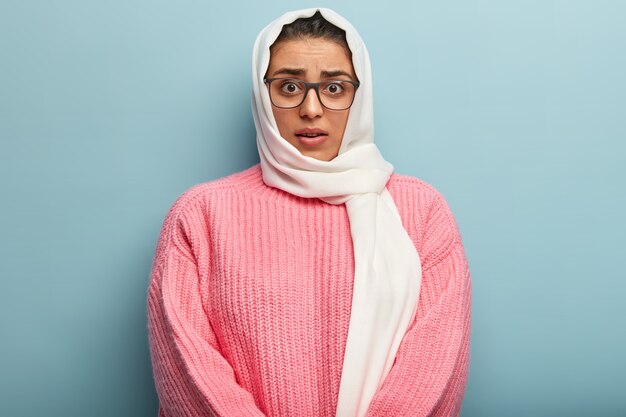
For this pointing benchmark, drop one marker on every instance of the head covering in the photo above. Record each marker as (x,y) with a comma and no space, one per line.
(387,272)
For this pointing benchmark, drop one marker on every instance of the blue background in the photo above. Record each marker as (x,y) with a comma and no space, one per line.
(514,110)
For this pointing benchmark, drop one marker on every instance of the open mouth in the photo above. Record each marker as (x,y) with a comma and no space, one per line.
(310,135)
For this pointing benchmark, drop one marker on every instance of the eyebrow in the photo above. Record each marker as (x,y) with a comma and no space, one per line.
(335,73)
(289,71)
(302,72)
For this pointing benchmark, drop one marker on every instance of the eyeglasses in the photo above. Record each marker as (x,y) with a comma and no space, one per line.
(287,93)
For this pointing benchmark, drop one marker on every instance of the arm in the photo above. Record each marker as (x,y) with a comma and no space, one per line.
(429,374)
(192,378)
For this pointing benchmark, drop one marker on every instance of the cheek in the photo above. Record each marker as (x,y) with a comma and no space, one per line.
(341,120)
(282,120)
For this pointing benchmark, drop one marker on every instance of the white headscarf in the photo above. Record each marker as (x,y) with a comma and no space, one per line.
(387,272)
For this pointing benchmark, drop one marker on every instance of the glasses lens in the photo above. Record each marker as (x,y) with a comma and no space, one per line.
(337,95)
(289,93)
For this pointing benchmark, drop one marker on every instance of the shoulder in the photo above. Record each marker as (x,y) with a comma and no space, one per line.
(415,193)
(404,183)
(196,203)
(427,214)
(185,223)
(200,195)
(238,181)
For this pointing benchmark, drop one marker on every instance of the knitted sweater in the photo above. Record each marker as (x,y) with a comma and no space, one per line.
(250,297)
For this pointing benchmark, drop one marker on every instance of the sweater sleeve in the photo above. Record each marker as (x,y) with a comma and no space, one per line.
(430,371)
(192,378)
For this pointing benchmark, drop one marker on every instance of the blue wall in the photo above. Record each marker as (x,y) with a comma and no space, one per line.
(515,110)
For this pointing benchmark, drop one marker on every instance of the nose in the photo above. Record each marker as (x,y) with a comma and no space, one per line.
(311,106)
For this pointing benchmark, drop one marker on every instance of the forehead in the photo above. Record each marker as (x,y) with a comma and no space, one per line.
(310,54)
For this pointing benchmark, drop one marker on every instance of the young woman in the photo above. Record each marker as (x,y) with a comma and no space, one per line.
(317,283)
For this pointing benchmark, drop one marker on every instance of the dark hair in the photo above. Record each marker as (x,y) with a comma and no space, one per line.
(313,27)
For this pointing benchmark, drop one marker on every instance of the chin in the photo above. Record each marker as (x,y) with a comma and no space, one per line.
(320,156)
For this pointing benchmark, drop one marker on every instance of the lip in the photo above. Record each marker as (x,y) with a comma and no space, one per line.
(302,136)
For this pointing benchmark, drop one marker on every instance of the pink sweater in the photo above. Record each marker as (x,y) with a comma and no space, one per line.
(250,296)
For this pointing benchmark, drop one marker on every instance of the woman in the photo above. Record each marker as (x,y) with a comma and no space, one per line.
(317,283)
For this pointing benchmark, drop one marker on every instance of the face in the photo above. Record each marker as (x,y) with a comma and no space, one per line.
(311,128)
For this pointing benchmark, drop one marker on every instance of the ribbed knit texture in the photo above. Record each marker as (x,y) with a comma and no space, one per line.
(249,304)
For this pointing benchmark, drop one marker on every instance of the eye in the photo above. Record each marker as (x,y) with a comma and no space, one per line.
(334,88)
(290,87)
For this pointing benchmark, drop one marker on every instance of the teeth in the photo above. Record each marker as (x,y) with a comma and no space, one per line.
(310,135)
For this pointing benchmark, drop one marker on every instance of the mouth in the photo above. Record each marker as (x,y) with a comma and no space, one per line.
(311,133)
(311,136)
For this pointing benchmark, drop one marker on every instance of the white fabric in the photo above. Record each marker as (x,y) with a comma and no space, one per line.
(387,272)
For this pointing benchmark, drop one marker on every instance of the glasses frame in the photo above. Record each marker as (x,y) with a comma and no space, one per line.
(309,86)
